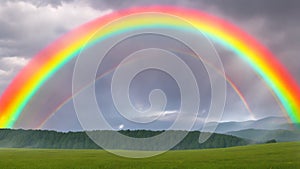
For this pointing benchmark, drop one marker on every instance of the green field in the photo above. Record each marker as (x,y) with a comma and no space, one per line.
(277,155)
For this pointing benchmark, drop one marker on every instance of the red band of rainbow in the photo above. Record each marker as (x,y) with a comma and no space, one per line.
(48,61)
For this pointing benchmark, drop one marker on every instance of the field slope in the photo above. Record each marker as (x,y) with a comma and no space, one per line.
(277,155)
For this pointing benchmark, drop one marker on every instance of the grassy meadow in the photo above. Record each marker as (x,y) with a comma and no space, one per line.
(276,155)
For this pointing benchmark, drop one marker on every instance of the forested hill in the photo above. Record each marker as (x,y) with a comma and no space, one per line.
(10,138)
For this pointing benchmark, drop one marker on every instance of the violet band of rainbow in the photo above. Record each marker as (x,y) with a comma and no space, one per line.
(53,57)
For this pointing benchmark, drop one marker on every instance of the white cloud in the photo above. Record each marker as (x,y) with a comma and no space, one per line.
(9,67)
(121,126)
(162,113)
(14,61)
(5,73)
(159,115)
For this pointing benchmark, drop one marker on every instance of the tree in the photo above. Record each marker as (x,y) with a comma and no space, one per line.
(271,141)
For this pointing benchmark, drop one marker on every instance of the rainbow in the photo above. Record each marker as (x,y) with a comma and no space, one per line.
(56,55)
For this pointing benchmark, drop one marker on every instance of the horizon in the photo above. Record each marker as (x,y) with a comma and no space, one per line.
(199,129)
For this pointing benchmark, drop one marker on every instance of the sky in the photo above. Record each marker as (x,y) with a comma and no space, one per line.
(29,26)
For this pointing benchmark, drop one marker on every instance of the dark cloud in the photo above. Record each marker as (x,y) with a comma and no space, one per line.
(41,3)
(244,9)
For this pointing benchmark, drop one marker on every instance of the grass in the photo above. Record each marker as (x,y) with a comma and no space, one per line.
(277,155)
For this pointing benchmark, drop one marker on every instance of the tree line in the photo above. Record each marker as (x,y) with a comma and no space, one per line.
(11,138)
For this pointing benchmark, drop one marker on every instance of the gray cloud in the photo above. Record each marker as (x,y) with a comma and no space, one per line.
(275,23)
(28,27)
(42,3)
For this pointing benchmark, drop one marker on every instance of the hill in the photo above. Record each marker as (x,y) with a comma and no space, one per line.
(277,155)
(265,135)
(269,123)
(79,140)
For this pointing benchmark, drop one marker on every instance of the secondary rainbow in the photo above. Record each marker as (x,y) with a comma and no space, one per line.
(52,58)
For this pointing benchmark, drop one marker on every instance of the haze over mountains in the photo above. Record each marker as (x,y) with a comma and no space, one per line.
(269,123)
(261,130)
(265,135)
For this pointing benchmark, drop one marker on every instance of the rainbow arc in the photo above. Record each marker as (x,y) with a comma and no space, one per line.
(56,55)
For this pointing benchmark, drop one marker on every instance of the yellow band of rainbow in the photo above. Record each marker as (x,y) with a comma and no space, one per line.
(52,58)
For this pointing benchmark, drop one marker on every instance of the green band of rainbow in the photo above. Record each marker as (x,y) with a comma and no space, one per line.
(48,61)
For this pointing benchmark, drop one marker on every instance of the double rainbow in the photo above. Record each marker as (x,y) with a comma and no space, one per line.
(52,58)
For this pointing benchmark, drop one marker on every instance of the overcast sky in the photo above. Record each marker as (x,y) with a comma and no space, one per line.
(29,26)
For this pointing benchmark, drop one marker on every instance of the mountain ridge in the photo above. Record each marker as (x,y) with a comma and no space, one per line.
(268,123)
(258,135)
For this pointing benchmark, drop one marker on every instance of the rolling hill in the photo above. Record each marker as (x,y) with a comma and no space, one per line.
(269,123)
(265,135)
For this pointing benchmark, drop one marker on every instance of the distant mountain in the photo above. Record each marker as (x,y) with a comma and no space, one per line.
(265,135)
(269,123)
(79,140)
